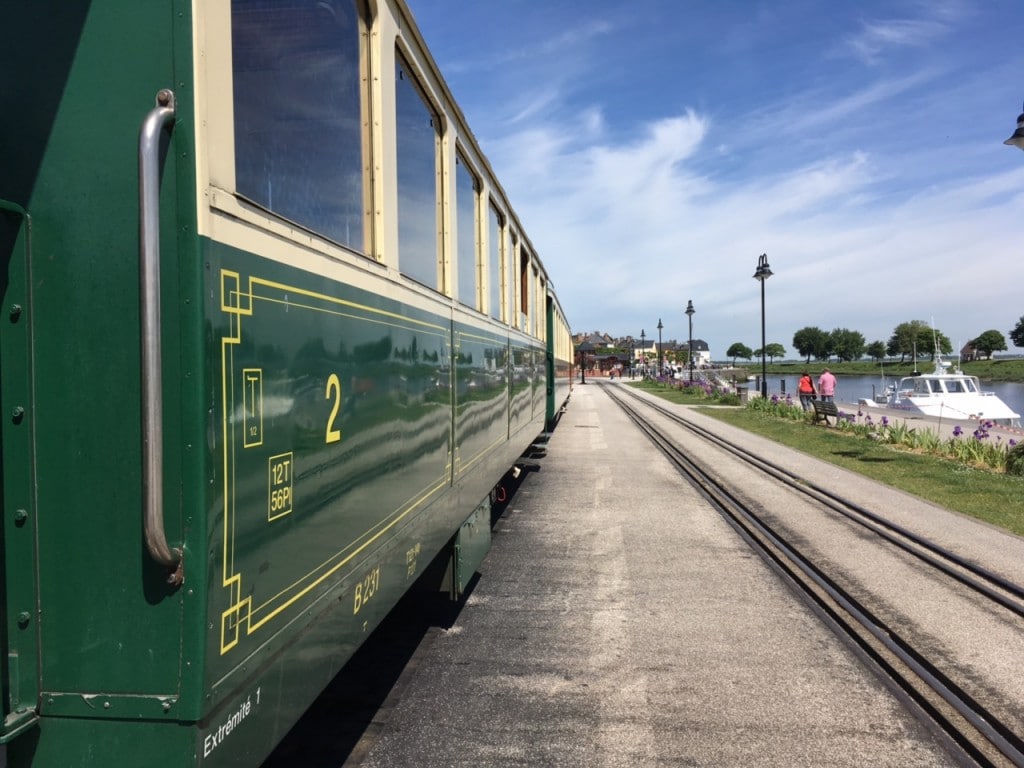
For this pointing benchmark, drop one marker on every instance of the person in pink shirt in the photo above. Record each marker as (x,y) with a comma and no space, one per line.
(827,386)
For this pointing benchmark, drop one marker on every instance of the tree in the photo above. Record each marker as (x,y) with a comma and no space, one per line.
(903,341)
(771,351)
(739,350)
(847,345)
(1017,334)
(989,342)
(876,350)
(774,350)
(811,341)
(917,337)
(930,338)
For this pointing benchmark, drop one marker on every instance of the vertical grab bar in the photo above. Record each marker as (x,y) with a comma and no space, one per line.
(160,117)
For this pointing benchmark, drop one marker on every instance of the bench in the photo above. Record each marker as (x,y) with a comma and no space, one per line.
(823,409)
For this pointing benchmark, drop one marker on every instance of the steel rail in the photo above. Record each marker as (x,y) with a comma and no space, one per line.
(870,520)
(972,712)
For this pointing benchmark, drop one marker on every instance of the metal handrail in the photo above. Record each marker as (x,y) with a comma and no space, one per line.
(162,116)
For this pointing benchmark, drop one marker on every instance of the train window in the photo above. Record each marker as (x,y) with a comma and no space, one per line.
(467,188)
(418,143)
(495,261)
(524,290)
(298,112)
(535,303)
(510,276)
(542,293)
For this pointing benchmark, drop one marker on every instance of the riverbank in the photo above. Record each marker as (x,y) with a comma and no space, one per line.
(989,495)
(989,370)
(984,494)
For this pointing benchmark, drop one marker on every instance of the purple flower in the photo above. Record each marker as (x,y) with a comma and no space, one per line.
(885,421)
(957,431)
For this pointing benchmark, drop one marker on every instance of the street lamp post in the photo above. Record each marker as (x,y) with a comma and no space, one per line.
(689,314)
(643,351)
(762,273)
(632,359)
(661,359)
(1017,140)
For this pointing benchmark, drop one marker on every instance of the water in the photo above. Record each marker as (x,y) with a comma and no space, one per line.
(850,389)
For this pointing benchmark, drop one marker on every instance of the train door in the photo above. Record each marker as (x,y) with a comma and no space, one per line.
(18,626)
(74,578)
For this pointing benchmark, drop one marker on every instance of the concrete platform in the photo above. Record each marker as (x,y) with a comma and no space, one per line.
(620,621)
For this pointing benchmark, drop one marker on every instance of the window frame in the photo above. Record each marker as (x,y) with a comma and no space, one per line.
(225,215)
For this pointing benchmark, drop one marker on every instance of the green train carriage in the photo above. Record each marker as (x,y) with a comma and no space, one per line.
(273,334)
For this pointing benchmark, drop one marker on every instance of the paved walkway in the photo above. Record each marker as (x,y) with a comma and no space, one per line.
(620,621)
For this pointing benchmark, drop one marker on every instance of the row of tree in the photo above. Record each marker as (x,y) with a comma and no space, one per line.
(912,338)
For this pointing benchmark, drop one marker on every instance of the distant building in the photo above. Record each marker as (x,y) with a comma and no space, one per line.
(606,352)
(701,352)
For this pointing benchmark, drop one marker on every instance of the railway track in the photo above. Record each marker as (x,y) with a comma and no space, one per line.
(978,718)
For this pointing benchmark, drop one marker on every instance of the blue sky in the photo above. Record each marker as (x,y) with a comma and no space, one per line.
(654,149)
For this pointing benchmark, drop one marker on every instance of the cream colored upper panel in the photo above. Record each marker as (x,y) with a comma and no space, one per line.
(225,216)
(222,213)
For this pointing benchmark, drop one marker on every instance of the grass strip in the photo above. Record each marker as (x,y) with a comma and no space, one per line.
(993,497)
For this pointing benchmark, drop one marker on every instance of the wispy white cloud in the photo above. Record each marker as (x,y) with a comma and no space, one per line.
(643,228)
(817,108)
(880,194)
(574,36)
(933,21)
(877,37)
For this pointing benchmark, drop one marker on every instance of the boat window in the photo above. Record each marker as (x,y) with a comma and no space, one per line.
(298,113)
(969,385)
(954,386)
(921,387)
(936,387)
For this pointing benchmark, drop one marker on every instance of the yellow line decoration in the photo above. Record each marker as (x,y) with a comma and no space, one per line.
(246,612)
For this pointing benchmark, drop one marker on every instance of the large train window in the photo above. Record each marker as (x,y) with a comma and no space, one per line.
(495,261)
(524,290)
(542,326)
(467,189)
(536,304)
(418,144)
(298,112)
(510,272)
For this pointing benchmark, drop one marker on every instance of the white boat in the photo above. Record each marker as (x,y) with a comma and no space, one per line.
(947,394)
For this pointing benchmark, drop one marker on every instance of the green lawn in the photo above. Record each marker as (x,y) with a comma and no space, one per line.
(994,497)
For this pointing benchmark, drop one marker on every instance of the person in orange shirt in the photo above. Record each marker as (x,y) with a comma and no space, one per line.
(806,390)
